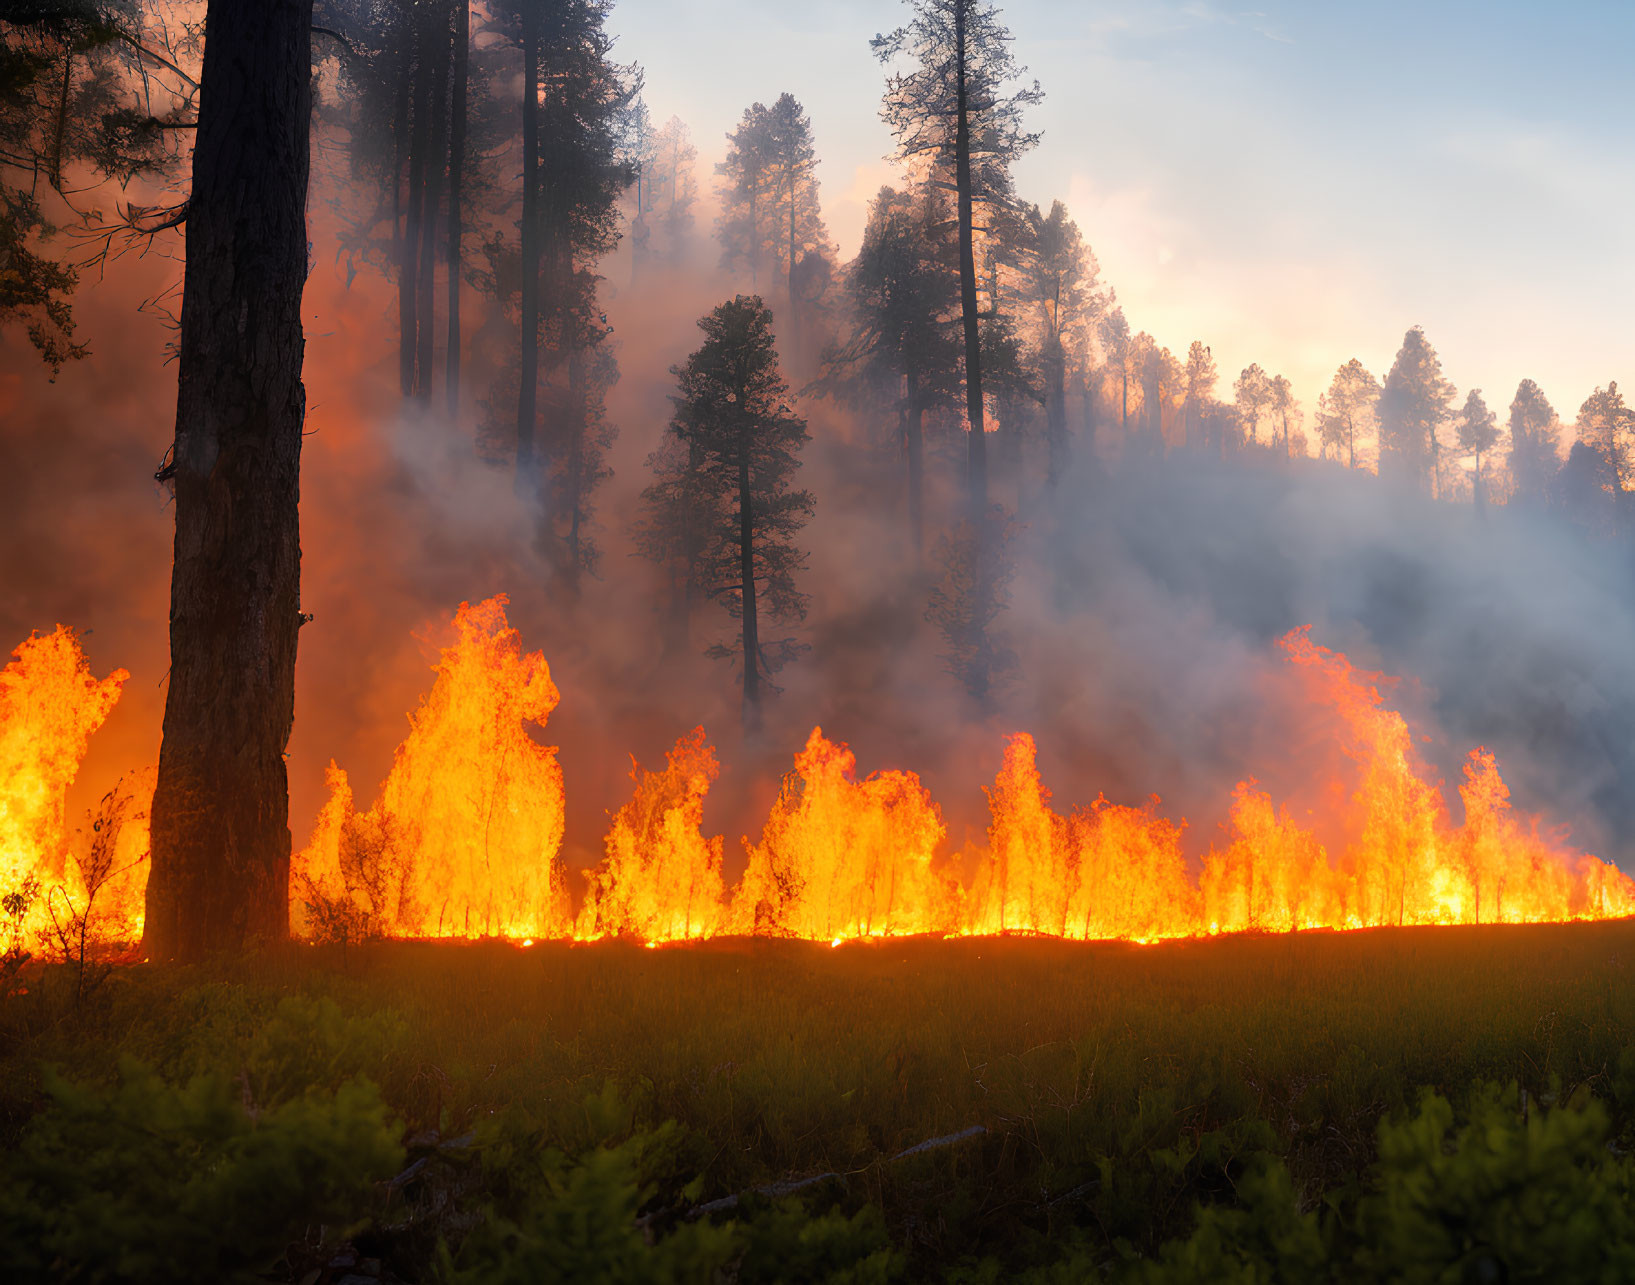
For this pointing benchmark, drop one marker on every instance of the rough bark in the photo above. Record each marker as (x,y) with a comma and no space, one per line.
(221,840)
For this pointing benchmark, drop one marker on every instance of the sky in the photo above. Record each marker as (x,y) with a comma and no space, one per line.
(1294,185)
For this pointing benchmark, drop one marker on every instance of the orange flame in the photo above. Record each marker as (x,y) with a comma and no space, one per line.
(843,858)
(464,839)
(50,704)
(661,878)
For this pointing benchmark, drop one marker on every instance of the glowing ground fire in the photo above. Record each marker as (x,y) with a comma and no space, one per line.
(464,839)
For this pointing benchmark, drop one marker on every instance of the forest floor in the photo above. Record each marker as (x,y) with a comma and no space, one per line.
(438,1110)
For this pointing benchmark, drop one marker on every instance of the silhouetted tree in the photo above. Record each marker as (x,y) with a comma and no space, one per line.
(673,184)
(1535,443)
(770,214)
(220,819)
(742,441)
(954,110)
(1283,408)
(1062,286)
(1607,426)
(1200,379)
(638,149)
(1478,432)
(1347,409)
(903,346)
(969,598)
(1115,347)
(1253,394)
(1415,401)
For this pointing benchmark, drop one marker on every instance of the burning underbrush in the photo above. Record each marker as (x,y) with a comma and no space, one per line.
(464,837)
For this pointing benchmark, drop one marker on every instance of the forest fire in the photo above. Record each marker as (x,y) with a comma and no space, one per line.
(464,840)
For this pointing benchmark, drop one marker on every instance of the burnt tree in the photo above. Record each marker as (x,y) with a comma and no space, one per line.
(221,840)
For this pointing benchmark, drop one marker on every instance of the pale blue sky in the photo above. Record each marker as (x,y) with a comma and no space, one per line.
(1295,185)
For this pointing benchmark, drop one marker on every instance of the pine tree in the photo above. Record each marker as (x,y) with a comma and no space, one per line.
(1283,407)
(1200,379)
(1414,403)
(1478,432)
(969,599)
(1607,426)
(1535,444)
(1254,396)
(771,219)
(741,441)
(1063,288)
(84,101)
(956,112)
(675,186)
(902,348)
(1116,348)
(220,818)
(1347,410)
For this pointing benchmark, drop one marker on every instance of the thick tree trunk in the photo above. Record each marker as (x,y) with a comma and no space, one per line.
(977,454)
(528,377)
(746,572)
(221,840)
(456,191)
(437,52)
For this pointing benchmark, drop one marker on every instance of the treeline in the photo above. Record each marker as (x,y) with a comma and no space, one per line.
(971,369)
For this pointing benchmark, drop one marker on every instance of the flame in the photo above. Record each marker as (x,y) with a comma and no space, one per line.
(661,878)
(843,858)
(464,839)
(50,704)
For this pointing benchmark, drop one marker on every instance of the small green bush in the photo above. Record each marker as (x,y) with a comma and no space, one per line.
(151,1181)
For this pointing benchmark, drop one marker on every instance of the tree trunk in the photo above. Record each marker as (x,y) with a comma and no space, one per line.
(746,573)
(915,434)
(408,283)
(437,52)
(400,135)
(528,377)
(794,319)
(1056,411)
(977,459)
(221,839)
(456,190)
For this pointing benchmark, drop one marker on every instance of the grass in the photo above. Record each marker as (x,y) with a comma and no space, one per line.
(1119,1086)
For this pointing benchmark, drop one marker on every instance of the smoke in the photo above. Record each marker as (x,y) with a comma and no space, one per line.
(1144,612)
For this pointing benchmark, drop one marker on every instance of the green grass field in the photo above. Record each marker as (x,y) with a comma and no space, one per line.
(550,1090)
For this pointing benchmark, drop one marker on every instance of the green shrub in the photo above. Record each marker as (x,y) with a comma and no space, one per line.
(151,1181)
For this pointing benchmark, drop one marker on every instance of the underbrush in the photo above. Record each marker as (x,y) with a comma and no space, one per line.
(1422,1104)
